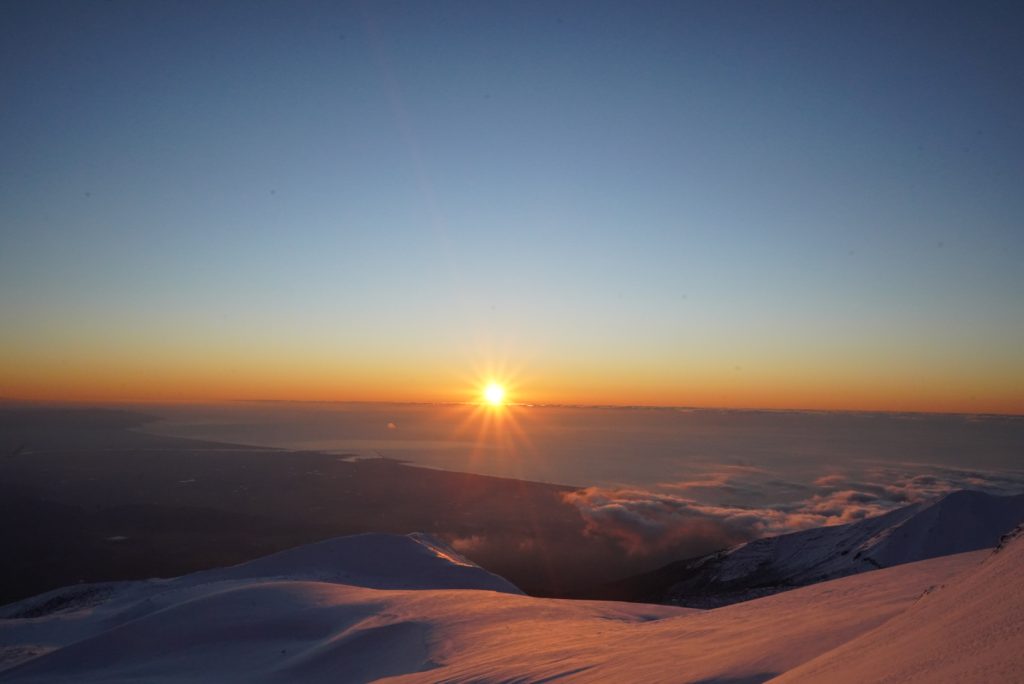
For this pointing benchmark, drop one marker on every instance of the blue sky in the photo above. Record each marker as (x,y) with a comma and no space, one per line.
(628,194)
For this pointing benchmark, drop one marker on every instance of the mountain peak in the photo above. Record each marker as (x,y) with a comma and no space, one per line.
(960,521)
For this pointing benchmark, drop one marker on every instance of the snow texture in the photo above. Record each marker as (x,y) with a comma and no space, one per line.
(970,630)
(407,609)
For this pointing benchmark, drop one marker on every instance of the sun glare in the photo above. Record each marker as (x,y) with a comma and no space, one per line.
(494,394)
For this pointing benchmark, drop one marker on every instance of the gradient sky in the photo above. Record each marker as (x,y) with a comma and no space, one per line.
(722,203)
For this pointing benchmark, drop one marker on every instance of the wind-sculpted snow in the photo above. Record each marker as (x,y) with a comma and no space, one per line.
(970,630)
(270,621)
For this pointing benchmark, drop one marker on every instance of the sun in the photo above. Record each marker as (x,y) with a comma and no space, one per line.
(494,394)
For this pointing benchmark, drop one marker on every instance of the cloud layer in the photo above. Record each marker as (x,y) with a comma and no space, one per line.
(655,521)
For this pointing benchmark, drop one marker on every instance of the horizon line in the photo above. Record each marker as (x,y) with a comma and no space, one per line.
(521,404)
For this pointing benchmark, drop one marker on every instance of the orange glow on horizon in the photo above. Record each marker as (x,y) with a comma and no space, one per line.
(808,385)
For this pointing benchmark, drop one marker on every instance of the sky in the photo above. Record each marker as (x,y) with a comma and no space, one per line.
(736,204)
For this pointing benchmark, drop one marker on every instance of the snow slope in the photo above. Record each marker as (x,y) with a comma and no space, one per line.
(324,613)
(54,619)
(971,630)
(958,522)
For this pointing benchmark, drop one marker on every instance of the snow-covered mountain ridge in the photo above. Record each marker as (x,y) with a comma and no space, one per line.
(375,561)
(956,523)
(383,607)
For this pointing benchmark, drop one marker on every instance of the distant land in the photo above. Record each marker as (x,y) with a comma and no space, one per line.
(86,497)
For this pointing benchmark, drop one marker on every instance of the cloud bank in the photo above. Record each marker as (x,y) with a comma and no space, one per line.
(645,522)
